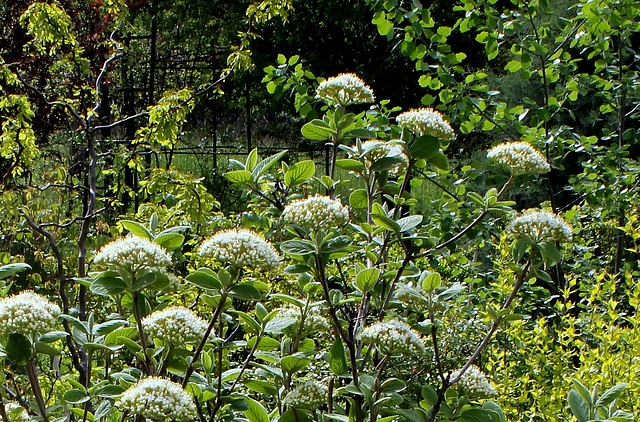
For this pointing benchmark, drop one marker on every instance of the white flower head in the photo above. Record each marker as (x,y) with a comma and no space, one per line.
(309,395)
(175,325)
(541,226)
(475,383)
(519,158)
(426,121)
(15,412)
(27,313)
(158,399)
(133,253)
(388,149)
(316,212)
(314,321)
(392,337)
(344,89)
(241,248)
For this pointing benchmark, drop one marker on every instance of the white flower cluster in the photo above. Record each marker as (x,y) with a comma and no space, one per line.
(175,325)
(313,322)
(15,412)
(426,121)
(404,296)
(241,248)
(344,89)
(519,157)
(309,395)
(541,226)
(475,383)
(316,212)
(388,149)
(133,253)
(158,399)
(27,313)
(392,337)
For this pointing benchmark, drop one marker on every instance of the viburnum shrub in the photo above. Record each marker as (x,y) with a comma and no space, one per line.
(342,304)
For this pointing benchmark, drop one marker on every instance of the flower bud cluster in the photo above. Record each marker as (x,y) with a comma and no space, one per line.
(541,226)
(314,322)
(241,248)
(519,158)
(344,89)
(316,212)
(133,253)
(158,399)
(176,325)
(392,337)
(475,383)
(388,149)
(27,313)
(309,395)
(426,121)
(15,412)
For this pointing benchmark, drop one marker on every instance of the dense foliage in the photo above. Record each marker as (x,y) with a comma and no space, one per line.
(336,211)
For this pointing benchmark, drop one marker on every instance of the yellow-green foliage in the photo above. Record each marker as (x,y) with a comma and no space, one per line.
(533,361)
(50,26)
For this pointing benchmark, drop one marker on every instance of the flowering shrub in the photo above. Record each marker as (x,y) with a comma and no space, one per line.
(519,158)
(27,313)
(240,248)
(158,399)
(316,212)
(374,298)
(175,325)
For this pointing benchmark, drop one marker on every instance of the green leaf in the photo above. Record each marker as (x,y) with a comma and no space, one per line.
(242,177)
(359,199)
(137,229)
(293,363)
(252,160)
(75,396)
(335,244)
(476,415)
(244,291)
(350,164)
(367,279)
(385,163)
(250,324)
(579,407)
(263,166)
(110,391)
(47,349)
(170,241)
(261,387)
(440,161)
(317,130)
(297,247)
(103,409)
(386,222)
(204,279)
(18,348)
(299,173)
(409,222)
(424,147)
(295,415)
(53,336)
(611,394)
(432,282)
(337,358)
(108,327)
(513,66)
(359,133)
(108,286)
(256,412)
(75,322)
(289,299)
(550,253)
(277,324)
(10,269)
